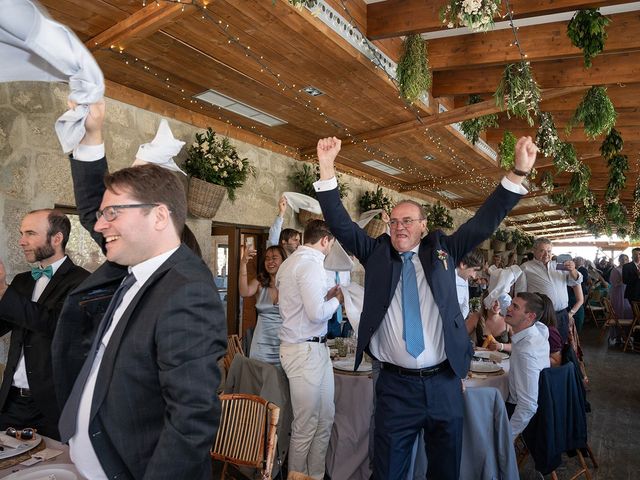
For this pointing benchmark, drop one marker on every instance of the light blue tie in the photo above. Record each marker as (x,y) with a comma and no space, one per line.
(47,271)
(412,333)
(339,311)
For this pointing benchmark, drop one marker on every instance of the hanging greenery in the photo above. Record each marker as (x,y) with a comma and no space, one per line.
(547,139)
(374,200)
(518,92)
(473,127)
(299,4)
(635,210)
(612,144)
(547,182)
(413,71)
(595,112)
(579,183)
(507,150)
(616,213)
(618,167)
(566,159)
(587,31)
(477,15)
(438,216)
(502,235)
(303,178)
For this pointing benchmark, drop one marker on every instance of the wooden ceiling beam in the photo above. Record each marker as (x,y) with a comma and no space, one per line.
(627,117)
(547,219)
(551,229)
(631,133)
(394,18)
(531,209)
(607,69)
(477,203)
(141,24)
(542,42)
(576,234)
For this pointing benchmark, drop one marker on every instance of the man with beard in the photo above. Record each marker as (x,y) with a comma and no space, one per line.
(29,309)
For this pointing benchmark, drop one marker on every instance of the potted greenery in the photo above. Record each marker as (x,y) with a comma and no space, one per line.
(438,216)
(213,166)
(499,240)
(303,179)
(373,201)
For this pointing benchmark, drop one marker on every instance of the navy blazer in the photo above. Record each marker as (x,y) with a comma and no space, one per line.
(32,325)
(383,266)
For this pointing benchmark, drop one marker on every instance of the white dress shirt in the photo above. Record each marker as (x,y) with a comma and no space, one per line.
(529,355)
(462,289)
(302,287)
(541,278)
(20,379)
(82,453)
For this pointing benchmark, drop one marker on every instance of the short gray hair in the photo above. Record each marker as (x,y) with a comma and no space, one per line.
(415,204)
(541,241)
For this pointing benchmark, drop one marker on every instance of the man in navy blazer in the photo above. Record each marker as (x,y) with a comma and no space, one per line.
(418,388)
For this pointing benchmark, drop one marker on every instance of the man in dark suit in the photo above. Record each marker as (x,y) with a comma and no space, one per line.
(414,327)
(143,402)
(29,309)
(631,277)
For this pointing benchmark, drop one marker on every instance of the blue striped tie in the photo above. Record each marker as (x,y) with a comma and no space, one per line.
(412,333)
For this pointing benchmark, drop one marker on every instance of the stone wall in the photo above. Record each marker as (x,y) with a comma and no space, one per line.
(35,173)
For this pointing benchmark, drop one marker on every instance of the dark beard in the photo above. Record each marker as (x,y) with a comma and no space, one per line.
(42,253)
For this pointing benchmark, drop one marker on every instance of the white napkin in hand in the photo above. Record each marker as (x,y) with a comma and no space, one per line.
(299,201)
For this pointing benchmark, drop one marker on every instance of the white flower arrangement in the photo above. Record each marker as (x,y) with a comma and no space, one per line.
(477,15)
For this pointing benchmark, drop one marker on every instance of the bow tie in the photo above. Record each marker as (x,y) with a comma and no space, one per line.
(36,272)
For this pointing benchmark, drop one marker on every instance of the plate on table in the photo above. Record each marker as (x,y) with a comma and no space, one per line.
(489,355)
(13,446)
(60,471)
(484,367)
(346,365)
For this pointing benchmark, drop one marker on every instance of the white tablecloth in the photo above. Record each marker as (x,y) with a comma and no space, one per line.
(63,458)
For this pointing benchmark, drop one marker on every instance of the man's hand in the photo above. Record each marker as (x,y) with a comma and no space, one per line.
(334,292)
(282,206)
(3,279)
(328,149)
(526,152)
(93,123)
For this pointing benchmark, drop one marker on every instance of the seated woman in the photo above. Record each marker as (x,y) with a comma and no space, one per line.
(555,340)
(265,345)
(496,330)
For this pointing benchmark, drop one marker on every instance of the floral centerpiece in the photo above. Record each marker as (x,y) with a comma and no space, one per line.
(213,161)
(477,15)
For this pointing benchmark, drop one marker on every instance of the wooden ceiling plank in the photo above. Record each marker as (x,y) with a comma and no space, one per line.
(141,24)
(630,133)
(607,69)
(531,209)
(541,42)
(393,18)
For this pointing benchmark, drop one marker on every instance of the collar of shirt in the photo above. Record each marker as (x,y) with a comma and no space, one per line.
(309,251)
(536,327)
(54,266)
(144,270)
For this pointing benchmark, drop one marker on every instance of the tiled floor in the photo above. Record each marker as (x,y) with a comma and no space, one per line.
(614,423)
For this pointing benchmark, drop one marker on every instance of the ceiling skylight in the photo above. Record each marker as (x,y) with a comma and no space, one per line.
(383,167)
(219,100)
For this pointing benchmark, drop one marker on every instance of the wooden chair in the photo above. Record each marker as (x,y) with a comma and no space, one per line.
(611,320)
(631,342)
(595,306)
(234,345)
(247,433)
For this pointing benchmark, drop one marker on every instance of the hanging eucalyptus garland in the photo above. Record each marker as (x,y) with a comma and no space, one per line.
(413,71)
(507,150)
(616,214)
(612,144)
(566,159)
(518,92)
(547,182)
(477,15)
(618,167)
(579,183)
(595,112)
(587,31)
(473,127)
(547,139)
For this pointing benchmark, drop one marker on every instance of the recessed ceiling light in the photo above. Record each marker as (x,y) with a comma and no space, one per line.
(429,157)
(313,91)
(449,195)
(383,167)
(220,100)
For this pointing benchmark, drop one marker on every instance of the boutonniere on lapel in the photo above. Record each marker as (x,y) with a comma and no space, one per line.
(443,256)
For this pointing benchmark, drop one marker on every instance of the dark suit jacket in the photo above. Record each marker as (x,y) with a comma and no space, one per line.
(155,410)
(32,325)
(383,267)
(631,279)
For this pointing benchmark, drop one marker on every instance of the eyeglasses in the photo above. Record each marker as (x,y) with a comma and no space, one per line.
(24,434)
(406,222)
(110,213)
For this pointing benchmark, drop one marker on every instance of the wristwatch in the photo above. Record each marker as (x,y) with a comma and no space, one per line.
(520,173)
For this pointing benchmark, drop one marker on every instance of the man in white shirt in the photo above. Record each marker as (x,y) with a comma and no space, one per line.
(543,275)
(289,238)
(529,356)
(306,304)
(135,403)
(468,268)
(497,263)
